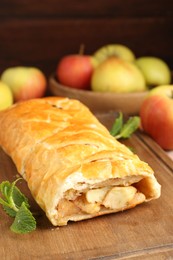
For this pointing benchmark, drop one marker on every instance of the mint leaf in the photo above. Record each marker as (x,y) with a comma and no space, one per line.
(121,130)
(130,127)
(11,212)
(19,197)
(13,197)
(16,205)
(117,125)
(16,198)
(5,187)
(24,221)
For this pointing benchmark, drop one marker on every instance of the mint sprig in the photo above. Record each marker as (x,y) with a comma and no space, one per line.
(16,205)
(124,130)
(24,221)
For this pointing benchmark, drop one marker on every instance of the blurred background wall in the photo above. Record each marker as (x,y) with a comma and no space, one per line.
(39,33)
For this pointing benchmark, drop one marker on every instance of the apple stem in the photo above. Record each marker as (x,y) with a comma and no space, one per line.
(81,49)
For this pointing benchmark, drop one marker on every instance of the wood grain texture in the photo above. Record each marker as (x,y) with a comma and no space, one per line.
(87,9)
(163,155)
(145,231)
(40,33)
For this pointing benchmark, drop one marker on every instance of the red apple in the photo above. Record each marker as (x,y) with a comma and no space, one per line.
(25,82)
(157,116)
(75,71)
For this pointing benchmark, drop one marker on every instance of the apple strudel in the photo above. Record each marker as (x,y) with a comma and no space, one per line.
(74,168)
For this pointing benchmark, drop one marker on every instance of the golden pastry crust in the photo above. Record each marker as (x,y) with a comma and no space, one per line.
(60,148)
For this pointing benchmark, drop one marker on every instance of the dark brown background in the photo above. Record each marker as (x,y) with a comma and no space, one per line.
(39,33)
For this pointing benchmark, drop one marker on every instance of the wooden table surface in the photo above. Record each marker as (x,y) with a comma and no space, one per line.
(144,232)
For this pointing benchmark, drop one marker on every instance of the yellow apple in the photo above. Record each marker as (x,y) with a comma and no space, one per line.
(25,82)
(116,50)
(155,70)
(117,75)
(165,90)
(6,96)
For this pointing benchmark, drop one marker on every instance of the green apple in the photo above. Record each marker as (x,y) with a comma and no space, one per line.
(117,50)
(6,96)
(25,82)
(155,70)
(117,75)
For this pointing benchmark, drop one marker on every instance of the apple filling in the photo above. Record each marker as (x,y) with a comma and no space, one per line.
(98,201)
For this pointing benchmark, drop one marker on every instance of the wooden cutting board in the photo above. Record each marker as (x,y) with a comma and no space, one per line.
(144,232)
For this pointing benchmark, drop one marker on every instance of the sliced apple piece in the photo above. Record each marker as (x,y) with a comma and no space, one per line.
(118,197)
(67,208)
(96,195)
(83,204)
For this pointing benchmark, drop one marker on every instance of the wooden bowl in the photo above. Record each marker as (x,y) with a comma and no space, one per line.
(128,103)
